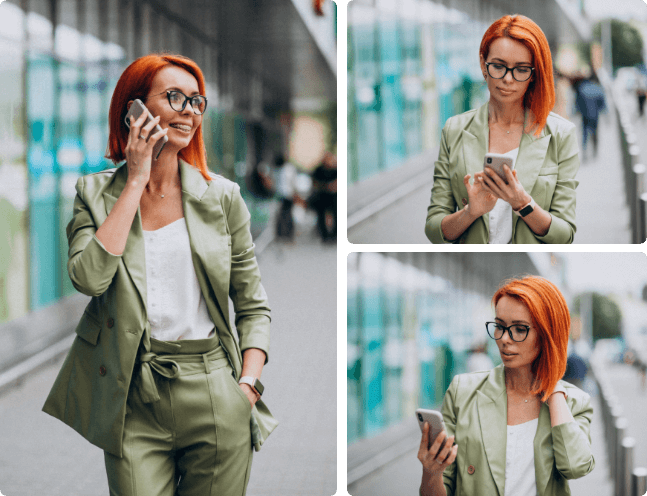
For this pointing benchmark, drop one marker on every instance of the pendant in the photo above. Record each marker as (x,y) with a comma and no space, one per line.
(162,196)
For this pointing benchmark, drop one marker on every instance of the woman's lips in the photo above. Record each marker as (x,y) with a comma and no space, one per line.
(506,92)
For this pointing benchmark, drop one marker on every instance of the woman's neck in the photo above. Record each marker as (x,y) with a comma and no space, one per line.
(165,172)
(506,114)
(519,380)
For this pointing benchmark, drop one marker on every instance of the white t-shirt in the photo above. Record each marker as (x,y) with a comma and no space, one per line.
(501,215)
(520,459)
(176,307)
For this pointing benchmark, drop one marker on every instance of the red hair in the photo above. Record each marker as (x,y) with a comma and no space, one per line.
(552,321)
(540,95)
(136,82)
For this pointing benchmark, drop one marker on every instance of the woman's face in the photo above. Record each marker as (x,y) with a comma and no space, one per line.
(514,354)
(181,125)
(510,53)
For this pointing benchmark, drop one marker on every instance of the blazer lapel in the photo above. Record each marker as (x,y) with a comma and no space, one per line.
(493,413)
(208,234)
(532,154)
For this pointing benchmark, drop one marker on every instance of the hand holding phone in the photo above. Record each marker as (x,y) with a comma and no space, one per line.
(142,142)
(440,451)
(496,161)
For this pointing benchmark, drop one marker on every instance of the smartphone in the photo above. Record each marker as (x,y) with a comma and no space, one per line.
(136,110)
(435,420)
(496,161)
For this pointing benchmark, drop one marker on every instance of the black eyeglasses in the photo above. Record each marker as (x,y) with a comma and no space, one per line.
(498,71)
(517,332)
(177,100)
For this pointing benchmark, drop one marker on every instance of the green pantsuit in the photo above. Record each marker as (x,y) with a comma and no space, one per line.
(186,419)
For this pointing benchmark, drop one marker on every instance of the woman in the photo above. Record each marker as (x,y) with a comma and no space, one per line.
(540,189)
(152,377)
(518,428)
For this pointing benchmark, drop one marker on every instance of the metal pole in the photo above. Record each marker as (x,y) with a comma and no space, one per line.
(628,445)
(634,152)
(618,478)
(639,481)
(642,210)
(616,412)
(639,178)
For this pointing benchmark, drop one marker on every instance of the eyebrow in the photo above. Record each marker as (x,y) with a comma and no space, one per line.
(180,90)
(516,65)
(523,322)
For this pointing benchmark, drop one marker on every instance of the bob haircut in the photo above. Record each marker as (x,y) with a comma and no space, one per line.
(540,95)
(552,321)
(136,82)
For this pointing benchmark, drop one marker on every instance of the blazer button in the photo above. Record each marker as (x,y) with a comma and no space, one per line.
(464,200)
(110,322)
(471,469)
(102,370)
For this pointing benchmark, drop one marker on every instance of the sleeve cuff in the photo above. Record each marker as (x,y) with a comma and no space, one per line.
(559,232)
(254,332)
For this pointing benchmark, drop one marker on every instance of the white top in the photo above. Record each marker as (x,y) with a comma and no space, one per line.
(285,181)
(520,459)
(501,214)
(176,307)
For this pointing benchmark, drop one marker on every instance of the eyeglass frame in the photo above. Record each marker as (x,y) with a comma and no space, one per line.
(186,99)
(509,69)
(509,331)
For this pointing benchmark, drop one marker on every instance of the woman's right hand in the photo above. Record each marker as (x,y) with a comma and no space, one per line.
(481,201)
(139,149)
(435,460)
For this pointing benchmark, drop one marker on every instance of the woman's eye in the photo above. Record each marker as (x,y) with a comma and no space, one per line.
(498,67)
(523,70)
(519,329)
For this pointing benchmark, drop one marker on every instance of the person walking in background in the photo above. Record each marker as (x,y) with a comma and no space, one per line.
(324,199)
(590,102)
(518,428)
(478,360)
(641,89)
(286,174)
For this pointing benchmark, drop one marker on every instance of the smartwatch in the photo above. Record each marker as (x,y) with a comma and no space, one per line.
(253,382)
(526,209)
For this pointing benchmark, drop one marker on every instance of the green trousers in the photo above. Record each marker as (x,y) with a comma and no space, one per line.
(187,429)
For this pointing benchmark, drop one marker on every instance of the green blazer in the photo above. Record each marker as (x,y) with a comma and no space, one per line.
(90,391)
(546,167)
(475,411)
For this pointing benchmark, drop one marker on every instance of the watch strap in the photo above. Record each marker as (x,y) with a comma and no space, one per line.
(253,382)
(526,209)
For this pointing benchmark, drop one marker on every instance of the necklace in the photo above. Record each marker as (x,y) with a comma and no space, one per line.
(161,195)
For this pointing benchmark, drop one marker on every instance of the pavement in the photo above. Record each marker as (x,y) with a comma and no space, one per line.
(40,455)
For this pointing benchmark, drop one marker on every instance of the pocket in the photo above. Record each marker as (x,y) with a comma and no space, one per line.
(237,389)
(548,171)
(88,328)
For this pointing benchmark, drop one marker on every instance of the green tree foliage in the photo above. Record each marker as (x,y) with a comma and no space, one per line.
(626,43)
(607,317)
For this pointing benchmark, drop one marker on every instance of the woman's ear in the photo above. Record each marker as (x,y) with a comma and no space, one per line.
(130,102)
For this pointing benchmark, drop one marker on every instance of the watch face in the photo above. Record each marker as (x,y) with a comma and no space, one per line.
(526,210)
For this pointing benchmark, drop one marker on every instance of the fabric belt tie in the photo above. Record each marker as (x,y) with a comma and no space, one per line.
(163,366)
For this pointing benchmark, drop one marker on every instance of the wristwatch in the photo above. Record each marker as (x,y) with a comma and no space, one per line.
(526,209)
(253,382)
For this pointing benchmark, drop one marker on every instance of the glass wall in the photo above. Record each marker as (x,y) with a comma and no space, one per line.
(411,65)
(409,333)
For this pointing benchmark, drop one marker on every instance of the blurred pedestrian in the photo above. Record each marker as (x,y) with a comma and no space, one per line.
(536,202)
(590,102)
(478,360)
(286,174)
(324,199)
(576,370)
(641,89)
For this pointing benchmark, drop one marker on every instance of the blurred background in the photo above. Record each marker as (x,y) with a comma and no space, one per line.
(415,320)
(270,126)
(412,64)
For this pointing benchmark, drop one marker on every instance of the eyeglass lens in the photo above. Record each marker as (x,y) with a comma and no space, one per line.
(496,331)
(177,101)
(498,71)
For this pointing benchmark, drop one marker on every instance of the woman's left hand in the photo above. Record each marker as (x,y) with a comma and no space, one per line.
(558,389)
(252,395)
(513,192)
